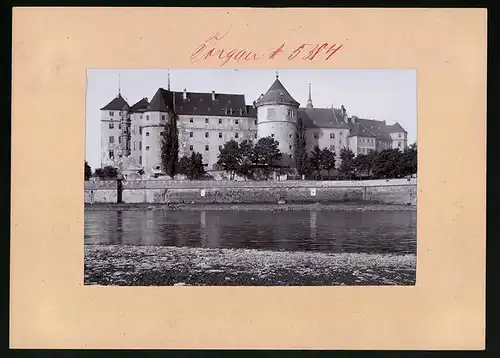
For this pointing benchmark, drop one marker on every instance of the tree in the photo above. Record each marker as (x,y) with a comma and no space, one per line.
(300,151)
(170,147)
(389,164)
(192,166)
(266,155)
(246,156)
(106,173)
(347,162)
(315,160)
(363,163)
(410,159)
(230,157)
(327,160)
(88,171)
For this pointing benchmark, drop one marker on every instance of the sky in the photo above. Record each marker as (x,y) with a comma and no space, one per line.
(389,95)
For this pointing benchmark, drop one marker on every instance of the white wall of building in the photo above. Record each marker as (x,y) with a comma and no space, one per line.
(278,122)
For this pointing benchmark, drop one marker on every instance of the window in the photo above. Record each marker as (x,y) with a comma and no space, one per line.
(290,147)
(147,134)
(206,147)
(191,147)
(220,120)
(119,139)
(111,139)
(112,114)
(119,126)
(272,135)
(191,134)
(191,120)
(332,135)
(140,145)
(341,133)
(399,145)
(290,113)
(270,113)
(111,154)
(161,134)
(316,135)
(163,117)
(290,135)
(220,134)
(255,135)
(134,145)
(332,148)
(147,148)
(133,129)
(255,122)
(236,135)
(235,121)
(140,116)
(206,120)
(111,125)
(147,117)
(140,130)
(140,159)
(206,134)
(399,135)
(220,147)
(157,167)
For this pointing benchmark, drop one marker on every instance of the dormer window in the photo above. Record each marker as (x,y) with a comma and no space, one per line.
(209,109)
(241,112)
(194,109)
(229,102)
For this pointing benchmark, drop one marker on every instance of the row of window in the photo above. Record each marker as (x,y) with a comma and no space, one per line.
(367,140)
(332,135)
(271,113)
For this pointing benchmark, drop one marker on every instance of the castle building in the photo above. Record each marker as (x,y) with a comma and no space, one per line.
(131,135)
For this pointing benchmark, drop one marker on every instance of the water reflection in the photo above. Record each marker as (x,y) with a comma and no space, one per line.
(355,231)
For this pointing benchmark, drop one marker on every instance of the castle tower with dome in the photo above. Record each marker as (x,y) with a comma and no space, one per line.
(277,116)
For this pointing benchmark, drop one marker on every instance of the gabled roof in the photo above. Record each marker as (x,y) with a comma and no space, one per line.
(277,94)
(140,106)
(117,104)
(321,118)
(369,128)
(162,101)
(396,128)
(201,104)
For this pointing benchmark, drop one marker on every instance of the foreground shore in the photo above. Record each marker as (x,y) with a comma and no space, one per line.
(179,266)
(351,206)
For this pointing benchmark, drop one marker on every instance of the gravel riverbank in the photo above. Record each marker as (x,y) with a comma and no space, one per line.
(248,207)
(178,266)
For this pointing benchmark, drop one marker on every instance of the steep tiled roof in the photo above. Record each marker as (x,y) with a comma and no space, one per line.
(162,101)
(321,118)
(117,104)
(140,106)
(396,128)
(277,94)
(201,104)
(369,128)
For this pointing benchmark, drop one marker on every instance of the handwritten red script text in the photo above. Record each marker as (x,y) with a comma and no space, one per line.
(213,47)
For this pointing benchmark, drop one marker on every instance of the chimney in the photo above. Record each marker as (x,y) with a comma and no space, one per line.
(213,95)
(184,95)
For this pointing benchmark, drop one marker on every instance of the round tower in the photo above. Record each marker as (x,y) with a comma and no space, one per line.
(277,116)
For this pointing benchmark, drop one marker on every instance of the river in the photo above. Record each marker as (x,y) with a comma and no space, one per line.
(308,230)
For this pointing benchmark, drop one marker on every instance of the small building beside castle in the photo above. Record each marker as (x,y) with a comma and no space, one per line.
(131,135)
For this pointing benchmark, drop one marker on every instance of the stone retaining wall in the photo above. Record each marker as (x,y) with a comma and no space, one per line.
(251,192)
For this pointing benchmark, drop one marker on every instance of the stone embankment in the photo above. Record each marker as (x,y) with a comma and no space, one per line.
(231,192)
(184,266)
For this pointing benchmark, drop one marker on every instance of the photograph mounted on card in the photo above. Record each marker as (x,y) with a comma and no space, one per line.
(248,178)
